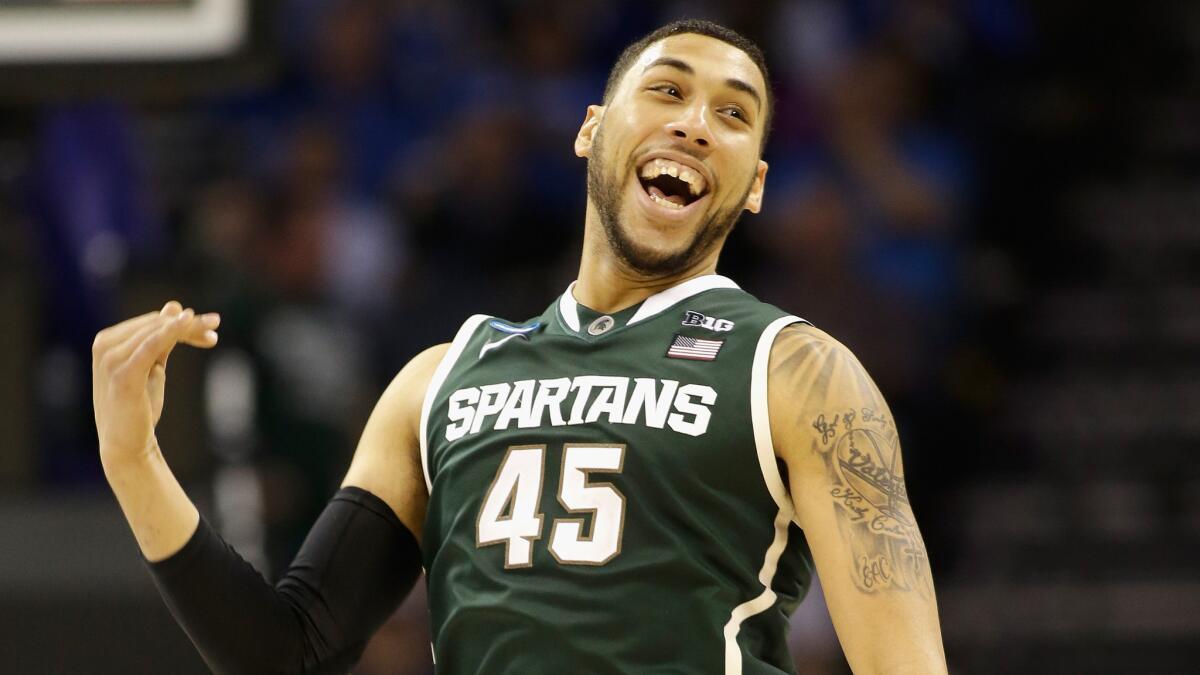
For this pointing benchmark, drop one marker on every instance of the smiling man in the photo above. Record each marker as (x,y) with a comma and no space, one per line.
(654,161)
(639,480)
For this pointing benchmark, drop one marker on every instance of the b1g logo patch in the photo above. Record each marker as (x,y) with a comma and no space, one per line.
(691,318)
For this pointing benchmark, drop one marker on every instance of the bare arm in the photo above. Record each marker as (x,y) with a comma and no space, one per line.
(387,462)
(834,431)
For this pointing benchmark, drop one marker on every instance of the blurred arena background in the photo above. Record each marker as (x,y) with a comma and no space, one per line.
(995,203)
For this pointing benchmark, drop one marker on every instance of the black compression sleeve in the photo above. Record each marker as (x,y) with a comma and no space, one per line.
(357,564)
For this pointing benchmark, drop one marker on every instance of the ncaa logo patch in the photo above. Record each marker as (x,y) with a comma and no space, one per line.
(510,332)
(691,318)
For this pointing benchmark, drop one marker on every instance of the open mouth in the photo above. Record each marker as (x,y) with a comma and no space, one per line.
(671,184)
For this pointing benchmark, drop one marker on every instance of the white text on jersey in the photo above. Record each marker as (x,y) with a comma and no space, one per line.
(526,404)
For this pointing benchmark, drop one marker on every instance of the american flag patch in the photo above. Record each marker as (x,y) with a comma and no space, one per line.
(696,349)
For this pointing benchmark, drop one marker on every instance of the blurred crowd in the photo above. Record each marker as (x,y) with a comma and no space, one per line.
(407,163)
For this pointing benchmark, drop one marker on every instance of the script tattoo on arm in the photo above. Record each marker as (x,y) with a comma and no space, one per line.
(856,440)
(862,456)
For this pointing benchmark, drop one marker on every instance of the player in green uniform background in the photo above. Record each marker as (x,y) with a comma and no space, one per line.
(639,480)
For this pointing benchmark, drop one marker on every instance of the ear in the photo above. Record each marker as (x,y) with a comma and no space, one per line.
(754,198)
(587,132)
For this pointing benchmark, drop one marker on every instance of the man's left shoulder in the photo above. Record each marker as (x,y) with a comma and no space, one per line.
(809,364)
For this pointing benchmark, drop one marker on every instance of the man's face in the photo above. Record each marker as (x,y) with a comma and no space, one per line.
(673,159)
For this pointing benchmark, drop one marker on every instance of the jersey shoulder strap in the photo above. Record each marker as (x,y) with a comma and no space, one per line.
(439,378)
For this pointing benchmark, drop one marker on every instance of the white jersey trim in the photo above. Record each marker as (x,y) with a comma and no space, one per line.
(663,300)
(435,384)
(761,419)
(568,306)
(760,413)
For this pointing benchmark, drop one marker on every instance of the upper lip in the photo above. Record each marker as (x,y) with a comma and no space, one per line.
(679,158)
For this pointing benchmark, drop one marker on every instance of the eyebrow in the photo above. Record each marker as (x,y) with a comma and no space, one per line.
(741,86)
(671,63)
(732,82)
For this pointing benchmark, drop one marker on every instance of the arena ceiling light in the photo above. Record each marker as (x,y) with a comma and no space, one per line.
(42,31)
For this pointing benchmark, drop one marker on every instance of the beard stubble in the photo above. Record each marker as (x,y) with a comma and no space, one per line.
(604,190)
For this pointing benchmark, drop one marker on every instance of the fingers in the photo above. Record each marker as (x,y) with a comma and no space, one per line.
(119,354)
(114,335)
(202,334)
(203,331)
(199,332)
(157,345)
(116,345)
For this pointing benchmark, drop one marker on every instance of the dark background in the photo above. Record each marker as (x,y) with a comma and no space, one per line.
(994,203)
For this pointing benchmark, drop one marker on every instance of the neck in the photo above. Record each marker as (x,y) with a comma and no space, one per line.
(607,284)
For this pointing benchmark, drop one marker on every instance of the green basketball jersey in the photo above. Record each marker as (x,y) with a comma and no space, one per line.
(603,493)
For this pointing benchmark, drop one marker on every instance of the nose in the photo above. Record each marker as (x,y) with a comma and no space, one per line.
(691,127)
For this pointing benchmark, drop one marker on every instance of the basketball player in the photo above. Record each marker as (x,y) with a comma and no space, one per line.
(640,480)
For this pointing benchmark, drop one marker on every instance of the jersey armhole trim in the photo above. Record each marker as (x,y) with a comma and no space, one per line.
(760,414)
(765,449)
(435,384)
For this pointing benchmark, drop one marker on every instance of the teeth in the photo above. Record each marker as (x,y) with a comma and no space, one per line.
(661,166)
(689,178)
(660,200)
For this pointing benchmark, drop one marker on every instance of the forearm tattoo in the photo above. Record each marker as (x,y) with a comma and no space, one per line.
(860,449)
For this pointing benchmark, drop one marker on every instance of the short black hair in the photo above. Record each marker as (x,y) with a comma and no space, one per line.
(697,27)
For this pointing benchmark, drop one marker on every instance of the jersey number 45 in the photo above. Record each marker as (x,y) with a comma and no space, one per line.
(511,512)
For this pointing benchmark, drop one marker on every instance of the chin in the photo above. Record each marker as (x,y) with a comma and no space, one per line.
(652,247)
(651,238)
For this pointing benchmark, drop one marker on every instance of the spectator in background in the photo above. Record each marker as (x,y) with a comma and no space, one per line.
(345,81)
(315,270)
(868,237)
(89,216)
(875,203)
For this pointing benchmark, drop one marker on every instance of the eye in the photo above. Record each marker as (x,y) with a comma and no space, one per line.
(668,89)
(737,113)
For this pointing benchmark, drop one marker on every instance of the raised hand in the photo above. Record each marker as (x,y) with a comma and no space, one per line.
(129,363)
